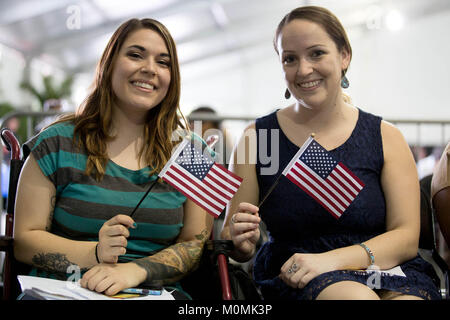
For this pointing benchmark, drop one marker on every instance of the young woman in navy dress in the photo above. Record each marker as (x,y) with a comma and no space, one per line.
(310,254)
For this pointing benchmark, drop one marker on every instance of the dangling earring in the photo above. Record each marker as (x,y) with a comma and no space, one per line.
(287,94)
(344,82)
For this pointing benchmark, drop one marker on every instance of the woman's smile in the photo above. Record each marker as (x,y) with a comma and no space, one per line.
(143,85)
(309,85)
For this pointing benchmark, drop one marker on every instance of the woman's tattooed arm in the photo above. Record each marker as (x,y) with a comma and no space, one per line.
(52,262)
(174,262)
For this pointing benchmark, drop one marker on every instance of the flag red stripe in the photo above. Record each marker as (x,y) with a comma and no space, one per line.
(228,172)
(343,173)
(202,188)
(332,181)
(327,186)
(220,192)
(230,176)
(311,195)
(343,166)
(198,185)
(192,191)
(223,176)
(328,200)
(188,195)
(337,177)
(344,180)
(219,184)
(325,201)
(195,192)
(337,188)
(324,186)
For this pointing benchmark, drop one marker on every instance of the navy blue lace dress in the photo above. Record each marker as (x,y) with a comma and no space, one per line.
(298,224)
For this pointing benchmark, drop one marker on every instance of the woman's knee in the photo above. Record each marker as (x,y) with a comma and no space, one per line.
(347,290)
(394,295)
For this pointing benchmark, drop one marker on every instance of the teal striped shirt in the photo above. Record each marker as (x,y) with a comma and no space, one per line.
(83,204)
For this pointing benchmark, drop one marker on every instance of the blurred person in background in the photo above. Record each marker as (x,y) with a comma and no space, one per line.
(224,144)
(51,105)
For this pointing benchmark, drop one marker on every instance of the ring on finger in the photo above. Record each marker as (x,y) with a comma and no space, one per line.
(293,268)
(233,218)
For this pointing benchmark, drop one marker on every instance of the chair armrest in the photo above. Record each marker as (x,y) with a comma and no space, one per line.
(442,265)
(220,250)
(6,243)
(11,142)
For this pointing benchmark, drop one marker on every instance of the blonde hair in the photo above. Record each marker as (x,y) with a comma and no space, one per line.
(93,120)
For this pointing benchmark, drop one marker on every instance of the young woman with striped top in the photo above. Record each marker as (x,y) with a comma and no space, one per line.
(85,174)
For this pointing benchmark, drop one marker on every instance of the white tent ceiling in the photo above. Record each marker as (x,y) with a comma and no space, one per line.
(71,34)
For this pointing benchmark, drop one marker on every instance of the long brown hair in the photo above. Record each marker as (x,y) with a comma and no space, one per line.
(93,119)
(322,17)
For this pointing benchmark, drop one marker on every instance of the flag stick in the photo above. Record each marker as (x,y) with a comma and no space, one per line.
(276,182)
(270,191)
(142,199)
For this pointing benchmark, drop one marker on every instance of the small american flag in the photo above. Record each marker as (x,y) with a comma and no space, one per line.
(329,182)
(198,177)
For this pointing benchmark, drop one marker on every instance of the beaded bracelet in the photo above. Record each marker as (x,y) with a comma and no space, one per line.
(369,252)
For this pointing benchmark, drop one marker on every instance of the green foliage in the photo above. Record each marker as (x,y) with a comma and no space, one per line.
(50,91)
(5,107)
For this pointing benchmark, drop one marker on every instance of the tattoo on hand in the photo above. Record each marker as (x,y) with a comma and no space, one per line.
(202,236)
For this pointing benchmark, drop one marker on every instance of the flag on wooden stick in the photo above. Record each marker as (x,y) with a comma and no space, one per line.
(326,180)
